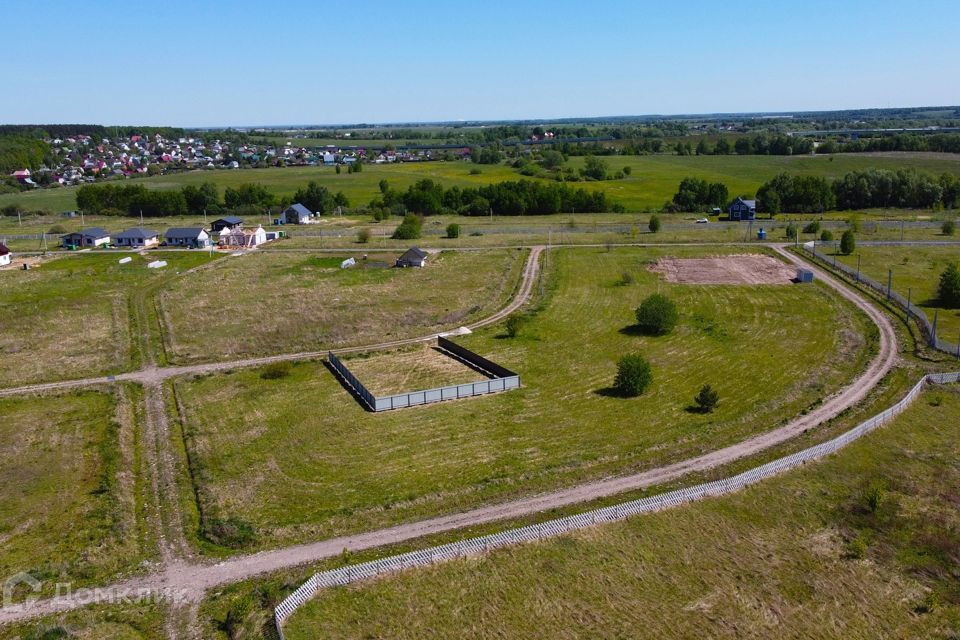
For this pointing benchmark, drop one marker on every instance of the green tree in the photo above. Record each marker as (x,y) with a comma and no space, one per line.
(515,324)
(948,291)
(634,375)
(826,236)
(706,401)
(409,229)
(594,167)
(654,224)
(453,230)
(791,231)
(949,227)
(657,315)
(848,243)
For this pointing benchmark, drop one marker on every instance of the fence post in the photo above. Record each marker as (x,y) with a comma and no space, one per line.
(909,297)
(889,282)
(859,255)
(933,331)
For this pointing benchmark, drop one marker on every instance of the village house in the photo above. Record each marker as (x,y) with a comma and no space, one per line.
(229,222)
(413,257)
(137,238)
(4,255)
(296,214)
(742,209)
(92,237)
(190,237)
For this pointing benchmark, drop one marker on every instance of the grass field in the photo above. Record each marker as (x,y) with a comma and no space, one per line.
(295,473)
(411,369)
(917,270)
(118,622)
(69,493)
(776,560)
(72,315)
(265,303)
(652,182)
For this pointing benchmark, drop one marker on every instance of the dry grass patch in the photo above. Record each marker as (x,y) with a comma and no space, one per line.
(414,369)
(733,269)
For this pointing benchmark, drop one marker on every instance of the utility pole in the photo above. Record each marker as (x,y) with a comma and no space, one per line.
(141,217)
(889,282)
(859,255)
(901,231)
(19,219)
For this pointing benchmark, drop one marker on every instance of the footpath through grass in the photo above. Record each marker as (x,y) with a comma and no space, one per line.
(297,458)
(861,545)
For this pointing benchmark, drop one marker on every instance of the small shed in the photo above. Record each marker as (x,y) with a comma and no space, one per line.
(804,275)
(296,214)
(4,255)
(229,222)
(412,257)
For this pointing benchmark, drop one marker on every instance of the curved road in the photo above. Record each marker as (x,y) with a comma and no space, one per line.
(186,581)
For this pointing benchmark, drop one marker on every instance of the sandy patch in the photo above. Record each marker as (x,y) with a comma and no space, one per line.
(737,269)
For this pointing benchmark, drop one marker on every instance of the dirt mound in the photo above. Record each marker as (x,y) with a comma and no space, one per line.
(736,269)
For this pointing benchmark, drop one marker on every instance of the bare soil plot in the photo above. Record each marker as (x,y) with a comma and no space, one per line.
(415,369)
(736,269)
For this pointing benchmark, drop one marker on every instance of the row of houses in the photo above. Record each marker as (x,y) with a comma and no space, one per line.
(186,237)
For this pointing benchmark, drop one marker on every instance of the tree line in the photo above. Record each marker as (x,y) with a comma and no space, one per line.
(522,197)
(134,200)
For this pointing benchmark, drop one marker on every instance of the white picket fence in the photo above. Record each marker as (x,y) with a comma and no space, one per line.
(551,528)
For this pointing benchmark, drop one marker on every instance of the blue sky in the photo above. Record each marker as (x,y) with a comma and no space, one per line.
(240,63)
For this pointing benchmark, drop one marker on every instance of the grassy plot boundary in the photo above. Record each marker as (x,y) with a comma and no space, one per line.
(350,574)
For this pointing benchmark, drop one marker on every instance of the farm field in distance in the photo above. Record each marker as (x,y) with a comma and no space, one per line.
(653,179)
(799,556)
(297,472)
(71,316)
(918,270)
(270,302)
(69,509)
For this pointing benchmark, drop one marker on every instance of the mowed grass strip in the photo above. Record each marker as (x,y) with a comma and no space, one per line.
(67,490)
(653,179)
(775,560)
(412,369)
(298,458)
(266,303)
(916,271)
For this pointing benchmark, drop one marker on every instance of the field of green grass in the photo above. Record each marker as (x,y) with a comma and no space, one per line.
(805,555)
(72,316)
(116,622)
(915,270)
(652,182)
(297,471)
(270,302)
(68,488)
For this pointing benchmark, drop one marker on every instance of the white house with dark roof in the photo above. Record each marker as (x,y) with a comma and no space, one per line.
(190,237)
(296,214)
(137,238)
(92,237)
(4,255)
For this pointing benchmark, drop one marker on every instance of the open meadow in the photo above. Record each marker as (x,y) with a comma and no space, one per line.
(860,545)
(297,458)
(915,269)
(118,622)
(270,302)
(653,179)
(80,315)
(71,494)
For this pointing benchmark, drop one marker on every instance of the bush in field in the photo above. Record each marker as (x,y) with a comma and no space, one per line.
(826,236)
(634,375)
(363,236)
(57,229)
(657,315)
(848,243)
(948,291)
(949,227)
(813,227)
(409,229)
(276,370)
(232,532)
(514,325)
(654,224)
(791,231)
(706,401)
(453,230)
